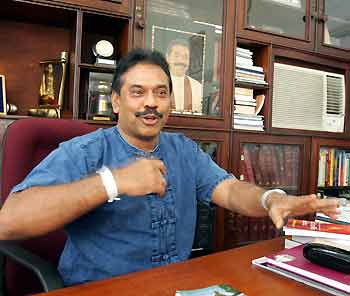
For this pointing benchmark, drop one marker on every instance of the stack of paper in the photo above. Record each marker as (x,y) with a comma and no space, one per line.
(292,264)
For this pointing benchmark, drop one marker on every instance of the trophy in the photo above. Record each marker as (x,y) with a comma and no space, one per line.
(51,92)
(103,51)
(99,97)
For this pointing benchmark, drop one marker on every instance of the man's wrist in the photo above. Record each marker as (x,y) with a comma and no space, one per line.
(109,183)
(266,196)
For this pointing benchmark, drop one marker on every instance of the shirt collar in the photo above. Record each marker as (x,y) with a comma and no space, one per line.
(135,150)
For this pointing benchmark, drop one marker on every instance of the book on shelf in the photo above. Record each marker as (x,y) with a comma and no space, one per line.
(248,122)
(292,264)
(244,91)
(260,100)
(245,98)
(211,291)
(333,167)
(243,109)
(248,165)
(248,127)
(252,81)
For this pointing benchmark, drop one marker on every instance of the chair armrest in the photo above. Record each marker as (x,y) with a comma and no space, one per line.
(45,271)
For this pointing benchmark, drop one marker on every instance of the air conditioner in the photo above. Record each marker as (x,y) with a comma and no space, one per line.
(307,99)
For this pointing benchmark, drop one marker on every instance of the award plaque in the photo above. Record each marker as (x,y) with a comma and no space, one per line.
(99,97)
(103,51)
(52,86)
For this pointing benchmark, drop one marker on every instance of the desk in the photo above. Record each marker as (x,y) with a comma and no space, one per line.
(232,267)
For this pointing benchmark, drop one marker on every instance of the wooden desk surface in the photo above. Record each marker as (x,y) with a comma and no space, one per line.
(231,267)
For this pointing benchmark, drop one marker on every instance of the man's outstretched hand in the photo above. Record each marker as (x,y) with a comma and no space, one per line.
(281,207)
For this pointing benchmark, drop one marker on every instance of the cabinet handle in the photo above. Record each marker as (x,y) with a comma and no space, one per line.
(140,21)
(322,18)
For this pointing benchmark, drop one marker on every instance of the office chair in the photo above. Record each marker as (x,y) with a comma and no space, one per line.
(30,265)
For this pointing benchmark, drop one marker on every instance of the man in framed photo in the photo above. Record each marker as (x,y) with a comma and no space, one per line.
(187,92)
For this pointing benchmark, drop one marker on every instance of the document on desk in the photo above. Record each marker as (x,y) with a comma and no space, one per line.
(292,264)
(211,291)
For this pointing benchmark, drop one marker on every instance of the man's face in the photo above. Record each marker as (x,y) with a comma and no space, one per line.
(179,60)
(143,103)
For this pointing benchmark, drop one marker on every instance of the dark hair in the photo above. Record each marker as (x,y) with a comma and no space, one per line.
(181,42)
(140,56)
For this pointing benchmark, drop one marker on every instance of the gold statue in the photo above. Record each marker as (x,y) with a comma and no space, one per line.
(47,91)
(51,92)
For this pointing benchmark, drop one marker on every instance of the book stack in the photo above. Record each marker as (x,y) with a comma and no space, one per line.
(246,71)
(303,231)
(248,122)
(246,109)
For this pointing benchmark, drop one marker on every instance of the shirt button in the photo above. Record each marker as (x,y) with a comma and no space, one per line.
(165,257)
(165,221)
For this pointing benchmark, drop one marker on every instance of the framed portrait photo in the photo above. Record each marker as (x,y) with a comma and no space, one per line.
(2,95)
(185,54)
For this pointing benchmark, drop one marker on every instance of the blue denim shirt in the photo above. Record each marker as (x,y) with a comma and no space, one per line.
(134,233)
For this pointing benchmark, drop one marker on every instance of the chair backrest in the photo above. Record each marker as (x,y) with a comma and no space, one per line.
(26,143)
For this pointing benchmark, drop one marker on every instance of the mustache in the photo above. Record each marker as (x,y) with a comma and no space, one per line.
(149,111)
(180,64)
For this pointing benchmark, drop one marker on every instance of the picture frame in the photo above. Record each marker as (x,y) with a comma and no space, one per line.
(187,68)
(162,36)
(2,95)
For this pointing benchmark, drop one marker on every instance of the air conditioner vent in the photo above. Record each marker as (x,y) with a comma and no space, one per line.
(335,85)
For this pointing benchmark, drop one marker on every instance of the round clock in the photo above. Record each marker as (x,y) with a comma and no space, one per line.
(103,48)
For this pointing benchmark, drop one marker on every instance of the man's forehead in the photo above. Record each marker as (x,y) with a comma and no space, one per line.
(145,75)
(180,47)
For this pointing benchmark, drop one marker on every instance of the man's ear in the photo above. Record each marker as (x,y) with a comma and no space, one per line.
(115,101)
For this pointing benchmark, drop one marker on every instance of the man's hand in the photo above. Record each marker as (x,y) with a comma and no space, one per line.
(141,177)
(282,207)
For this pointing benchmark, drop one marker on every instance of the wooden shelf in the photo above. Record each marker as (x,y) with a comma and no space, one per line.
(250,85)
(97,68)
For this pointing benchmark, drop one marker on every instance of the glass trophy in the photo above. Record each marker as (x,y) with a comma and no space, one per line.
(99,97)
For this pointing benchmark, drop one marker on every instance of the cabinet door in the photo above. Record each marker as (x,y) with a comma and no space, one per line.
(120,7)
(284,22)
(189,34)
(334,28)
(270,162)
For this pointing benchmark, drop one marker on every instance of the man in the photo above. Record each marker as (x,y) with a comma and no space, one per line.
(187,92)
(127,195)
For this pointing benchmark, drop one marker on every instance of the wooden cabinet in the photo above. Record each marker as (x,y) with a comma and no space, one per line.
(119,7)
(314,25)
(32,32)
(312,34)
(270,162)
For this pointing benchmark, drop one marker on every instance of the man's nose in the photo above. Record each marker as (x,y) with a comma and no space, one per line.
(150,100)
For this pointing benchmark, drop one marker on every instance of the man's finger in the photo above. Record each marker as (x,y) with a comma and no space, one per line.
(160,165)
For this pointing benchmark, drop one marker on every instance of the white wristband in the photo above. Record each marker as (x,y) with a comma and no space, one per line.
(265,196)
(109,183)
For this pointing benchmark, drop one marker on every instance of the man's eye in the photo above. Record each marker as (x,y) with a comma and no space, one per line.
(162,93)
(136,92)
